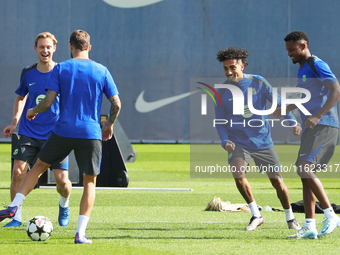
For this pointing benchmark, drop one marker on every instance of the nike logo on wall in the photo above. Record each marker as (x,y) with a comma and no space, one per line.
(143,106)
(131,3)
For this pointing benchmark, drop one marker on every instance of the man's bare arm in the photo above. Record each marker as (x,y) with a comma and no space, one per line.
(43,106)
(46,103)
(107,129)
(115,109)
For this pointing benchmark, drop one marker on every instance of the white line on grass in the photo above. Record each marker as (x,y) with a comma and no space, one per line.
(114,188)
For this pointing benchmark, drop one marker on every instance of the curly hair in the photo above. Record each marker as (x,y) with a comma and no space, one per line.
(297,36)
(233,53)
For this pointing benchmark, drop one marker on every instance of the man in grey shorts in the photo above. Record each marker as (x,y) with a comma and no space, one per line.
(310,150)
(320,131)
(90,149)
(265,160)
(246,142)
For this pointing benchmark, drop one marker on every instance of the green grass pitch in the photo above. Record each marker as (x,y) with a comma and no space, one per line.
(167,222)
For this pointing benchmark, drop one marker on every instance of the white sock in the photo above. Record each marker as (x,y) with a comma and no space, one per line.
(64,201)
(17,215)
(254,209)
(310,223)
(82,224)
(289,214)
(329,213)
(18,200)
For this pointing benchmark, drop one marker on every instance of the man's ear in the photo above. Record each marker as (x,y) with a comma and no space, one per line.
(303,45)
(242,65)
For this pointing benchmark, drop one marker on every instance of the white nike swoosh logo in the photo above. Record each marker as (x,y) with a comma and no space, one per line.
(131,3)
(143,106)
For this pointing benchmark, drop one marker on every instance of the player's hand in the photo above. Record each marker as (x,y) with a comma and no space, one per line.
(229,146)
(277,113)
(9,130)
(296,130)
(30,115)
(107,131)
(311,122)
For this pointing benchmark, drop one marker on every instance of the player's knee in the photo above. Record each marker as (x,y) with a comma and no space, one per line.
(63,182)
(303,174)
(277,183)
(19,174)
(240,181)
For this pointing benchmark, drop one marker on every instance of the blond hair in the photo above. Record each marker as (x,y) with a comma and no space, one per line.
(45,35)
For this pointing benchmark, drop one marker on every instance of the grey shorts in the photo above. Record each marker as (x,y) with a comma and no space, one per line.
(318,145)
(264,159)
(27,150)
(87,152)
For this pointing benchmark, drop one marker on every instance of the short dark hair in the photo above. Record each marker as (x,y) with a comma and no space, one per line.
(297,36)
(80,40)
(233,53)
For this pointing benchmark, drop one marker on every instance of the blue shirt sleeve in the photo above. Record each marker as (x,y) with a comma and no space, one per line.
(110,88)
(221,129)
(269,95)
(22,90)
(325,74)
(53,83)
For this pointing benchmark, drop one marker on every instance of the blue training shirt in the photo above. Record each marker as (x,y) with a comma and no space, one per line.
(81,84)
(257,135)
(32,84)
(315,84)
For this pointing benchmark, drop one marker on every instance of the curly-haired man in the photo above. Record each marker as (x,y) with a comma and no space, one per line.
(246,142)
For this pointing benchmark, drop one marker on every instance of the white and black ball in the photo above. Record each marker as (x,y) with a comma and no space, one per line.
(39,228)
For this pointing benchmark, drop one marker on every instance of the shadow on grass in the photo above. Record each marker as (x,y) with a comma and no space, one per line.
(241,238)
(220,233)
(173,229)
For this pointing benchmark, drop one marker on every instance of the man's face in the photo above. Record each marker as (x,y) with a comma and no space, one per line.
(45,49)
(233,69)
(295,50)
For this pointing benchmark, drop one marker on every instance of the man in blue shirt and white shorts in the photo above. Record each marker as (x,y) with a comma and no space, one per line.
(81,84)
(250,141)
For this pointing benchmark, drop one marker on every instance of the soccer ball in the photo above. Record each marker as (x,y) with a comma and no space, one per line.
(39,228)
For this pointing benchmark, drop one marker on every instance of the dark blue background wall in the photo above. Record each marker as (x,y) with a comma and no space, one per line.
(157,48)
